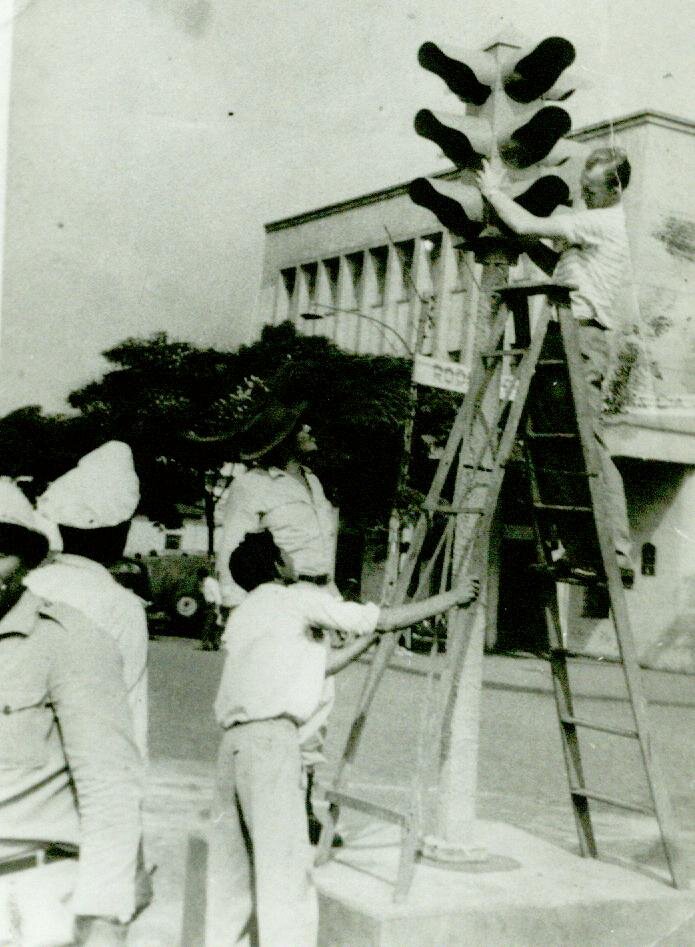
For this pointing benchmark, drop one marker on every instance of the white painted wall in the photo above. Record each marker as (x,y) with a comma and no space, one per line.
(145,536)
(662,607)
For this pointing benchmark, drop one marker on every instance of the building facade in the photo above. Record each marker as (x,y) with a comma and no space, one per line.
(382,257)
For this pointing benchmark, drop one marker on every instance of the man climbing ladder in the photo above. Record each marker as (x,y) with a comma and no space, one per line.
(594,258)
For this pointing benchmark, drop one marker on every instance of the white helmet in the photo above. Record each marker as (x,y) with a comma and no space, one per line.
(16,510)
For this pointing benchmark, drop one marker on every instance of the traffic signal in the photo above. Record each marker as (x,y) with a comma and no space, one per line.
(511,97)
(535,72)
(464,139)
(468,73)
(459,207)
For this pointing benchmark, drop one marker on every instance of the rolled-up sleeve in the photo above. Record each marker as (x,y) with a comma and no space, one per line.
(88,693)
(327,611)
(578,228)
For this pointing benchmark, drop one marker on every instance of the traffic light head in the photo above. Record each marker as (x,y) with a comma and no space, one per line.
(501,83)
(535,72)
(469,74)
(464,139)
(532,141)
(509,119)
(544,195)
(458,207)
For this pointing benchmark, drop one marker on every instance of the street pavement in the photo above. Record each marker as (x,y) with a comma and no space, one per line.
(521,771)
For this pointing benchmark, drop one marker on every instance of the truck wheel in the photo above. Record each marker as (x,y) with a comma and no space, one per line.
(186,606)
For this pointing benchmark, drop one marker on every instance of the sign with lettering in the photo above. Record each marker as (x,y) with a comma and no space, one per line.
(440,373)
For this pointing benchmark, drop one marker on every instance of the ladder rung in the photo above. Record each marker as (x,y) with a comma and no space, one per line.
(601,727)
(365,805)
(533,288)
(458,509)
(500,353)
(611,800)
(565,473)
(538,435)
(563,509)
(551,361)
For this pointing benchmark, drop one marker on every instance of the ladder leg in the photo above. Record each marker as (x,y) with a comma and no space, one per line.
(410,842)
(568,732)
(619,611)
(329,825)
(571,749)
(650,757)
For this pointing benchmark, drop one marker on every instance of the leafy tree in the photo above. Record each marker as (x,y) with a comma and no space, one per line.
(158,389)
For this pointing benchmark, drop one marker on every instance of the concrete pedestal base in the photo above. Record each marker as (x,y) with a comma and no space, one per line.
(554,898)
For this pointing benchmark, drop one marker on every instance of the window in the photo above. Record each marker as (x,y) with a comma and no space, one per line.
(354,262)
(332,268)
(405,252)
(597,603)
(310,271)
(172,541)
(648,559)
(289,278)
(430,248)
(379,257)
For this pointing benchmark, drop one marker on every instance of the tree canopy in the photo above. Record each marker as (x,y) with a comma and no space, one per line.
(159,388)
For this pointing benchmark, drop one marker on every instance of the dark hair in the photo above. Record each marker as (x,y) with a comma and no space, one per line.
(31,547)
(615,164)
(104,545)
(253,561)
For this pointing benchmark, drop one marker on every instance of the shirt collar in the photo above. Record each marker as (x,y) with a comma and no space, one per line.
(21,618)
(277,472)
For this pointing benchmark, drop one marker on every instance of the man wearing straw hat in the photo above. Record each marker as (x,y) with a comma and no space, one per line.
(279,493)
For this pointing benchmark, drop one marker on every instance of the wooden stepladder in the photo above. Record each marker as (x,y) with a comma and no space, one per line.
(541,403)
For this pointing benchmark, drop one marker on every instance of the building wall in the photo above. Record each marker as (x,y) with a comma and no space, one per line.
(660,209)
(662,605)
(376,257)
(146,536)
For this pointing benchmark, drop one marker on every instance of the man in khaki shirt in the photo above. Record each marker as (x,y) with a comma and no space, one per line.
(70,771)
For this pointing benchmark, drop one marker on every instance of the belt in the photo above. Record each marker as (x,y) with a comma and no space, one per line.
(34,859)
(314,579)
(592,324)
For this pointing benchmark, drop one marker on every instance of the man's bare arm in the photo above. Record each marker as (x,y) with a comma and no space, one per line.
(512,214)
(402,616)
(339,658)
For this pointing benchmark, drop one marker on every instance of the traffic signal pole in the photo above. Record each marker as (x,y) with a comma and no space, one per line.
(498,85)
(459,746)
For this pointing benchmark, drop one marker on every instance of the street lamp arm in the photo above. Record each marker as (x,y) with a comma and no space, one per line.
(336,310)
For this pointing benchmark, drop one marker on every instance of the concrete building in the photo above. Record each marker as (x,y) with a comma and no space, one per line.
(191,537)
(380,254)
